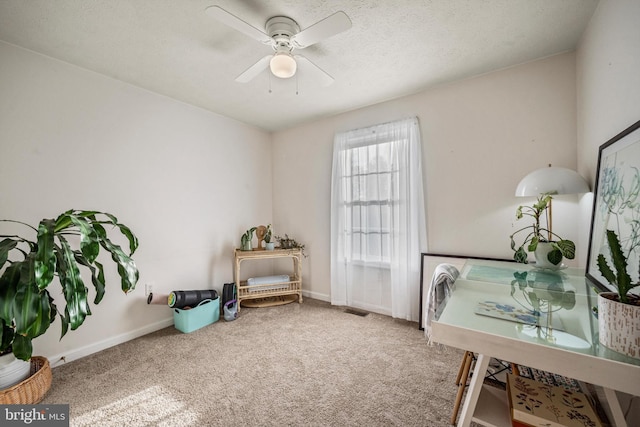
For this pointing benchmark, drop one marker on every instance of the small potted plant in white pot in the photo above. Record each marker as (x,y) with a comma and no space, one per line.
(618,312)
(549,248)
(268,244)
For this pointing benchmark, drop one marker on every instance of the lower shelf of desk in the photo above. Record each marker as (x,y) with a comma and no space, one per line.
(492,409)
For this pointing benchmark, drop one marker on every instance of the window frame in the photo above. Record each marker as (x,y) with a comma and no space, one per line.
(364,259)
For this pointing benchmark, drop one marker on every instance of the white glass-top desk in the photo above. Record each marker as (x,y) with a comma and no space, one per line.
(474,319)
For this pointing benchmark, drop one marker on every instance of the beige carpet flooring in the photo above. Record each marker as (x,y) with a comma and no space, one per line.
(307,364)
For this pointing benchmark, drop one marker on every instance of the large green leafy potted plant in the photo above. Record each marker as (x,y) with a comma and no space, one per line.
(618,312)
(29,265)
(548,248)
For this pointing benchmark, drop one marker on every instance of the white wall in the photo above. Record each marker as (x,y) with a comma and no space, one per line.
(608,99)
(188,182)
(608,85)
(480,137)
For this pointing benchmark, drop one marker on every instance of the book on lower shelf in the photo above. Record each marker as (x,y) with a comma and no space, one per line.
(534,404)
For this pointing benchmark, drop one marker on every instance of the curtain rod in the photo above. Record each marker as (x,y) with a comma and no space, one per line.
(414,118)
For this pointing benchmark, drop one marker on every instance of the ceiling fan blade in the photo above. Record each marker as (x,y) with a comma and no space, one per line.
(317,72)
(237,23)
(251,72)
(329,26)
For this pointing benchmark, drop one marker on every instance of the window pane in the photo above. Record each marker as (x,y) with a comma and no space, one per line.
(385,218)
(373,218)
(356,223)
(374,253)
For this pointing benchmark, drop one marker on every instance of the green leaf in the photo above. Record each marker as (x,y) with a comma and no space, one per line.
(519,212)
(30,305)
(542,202)
(6,245)
(133,240)
(32,310)
(53,309)
(533,244)
(620,264)
(126,266)
(8,287)
(64,323)
(567,248)
(606,271)
(74,290)
(87,214)
(554,256)
(25,300)
(521,256)
(63,221)
(89,240)
(6,335)
(97,276)
(45,261)
(22,347)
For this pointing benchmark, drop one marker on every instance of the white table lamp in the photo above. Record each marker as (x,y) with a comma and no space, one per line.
(551,180)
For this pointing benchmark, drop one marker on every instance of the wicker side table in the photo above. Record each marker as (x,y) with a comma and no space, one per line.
(269,290)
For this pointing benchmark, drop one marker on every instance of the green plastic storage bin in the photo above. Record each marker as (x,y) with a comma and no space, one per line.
(206,313)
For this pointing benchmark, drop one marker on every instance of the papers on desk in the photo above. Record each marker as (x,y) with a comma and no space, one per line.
(516,314)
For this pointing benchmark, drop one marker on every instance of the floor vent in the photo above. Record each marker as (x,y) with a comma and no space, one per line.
(360,313)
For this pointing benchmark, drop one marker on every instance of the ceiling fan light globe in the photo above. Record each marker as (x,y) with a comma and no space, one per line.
(283,65)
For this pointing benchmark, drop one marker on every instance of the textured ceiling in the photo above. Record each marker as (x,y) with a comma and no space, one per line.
(394,48)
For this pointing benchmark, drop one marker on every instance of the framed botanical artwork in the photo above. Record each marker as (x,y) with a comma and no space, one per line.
(616,204)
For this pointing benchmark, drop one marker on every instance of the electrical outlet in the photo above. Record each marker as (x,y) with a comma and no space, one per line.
(148,289)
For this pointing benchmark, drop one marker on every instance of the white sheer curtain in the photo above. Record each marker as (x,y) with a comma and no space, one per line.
(378,226)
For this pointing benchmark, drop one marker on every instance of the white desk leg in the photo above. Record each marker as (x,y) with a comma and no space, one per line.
(614,408)
(475,386)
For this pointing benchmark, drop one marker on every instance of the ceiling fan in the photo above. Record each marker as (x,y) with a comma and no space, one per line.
(284,35)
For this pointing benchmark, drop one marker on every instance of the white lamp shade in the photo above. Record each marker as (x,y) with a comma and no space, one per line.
(552,180)
(283,65)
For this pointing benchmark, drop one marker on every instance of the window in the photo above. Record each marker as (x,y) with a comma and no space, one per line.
(368,178)
(378,227)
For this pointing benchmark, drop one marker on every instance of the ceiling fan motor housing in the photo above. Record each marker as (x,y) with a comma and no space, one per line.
(281,29)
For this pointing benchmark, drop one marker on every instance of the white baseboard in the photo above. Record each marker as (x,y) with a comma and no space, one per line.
(316,295)
(58,359)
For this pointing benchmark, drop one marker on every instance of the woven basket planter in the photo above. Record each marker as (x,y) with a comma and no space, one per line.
(31,390)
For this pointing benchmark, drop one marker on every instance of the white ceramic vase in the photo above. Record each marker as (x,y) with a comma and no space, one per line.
(619,325)
(269,246)
(542,250)
(13,371)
